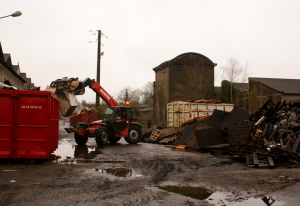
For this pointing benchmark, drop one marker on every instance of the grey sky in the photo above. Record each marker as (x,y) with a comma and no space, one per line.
(50,39)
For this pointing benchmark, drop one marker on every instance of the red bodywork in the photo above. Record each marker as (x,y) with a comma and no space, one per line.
(86,116)
(28,124)
(90,131)
(104,95)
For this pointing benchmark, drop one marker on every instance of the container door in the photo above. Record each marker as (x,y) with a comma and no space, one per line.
(31,134)
(6,123)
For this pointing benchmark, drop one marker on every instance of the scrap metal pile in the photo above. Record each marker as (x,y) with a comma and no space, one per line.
(268,137)
(273,138)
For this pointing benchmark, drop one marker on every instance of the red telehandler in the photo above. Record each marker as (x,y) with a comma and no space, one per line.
(118,121)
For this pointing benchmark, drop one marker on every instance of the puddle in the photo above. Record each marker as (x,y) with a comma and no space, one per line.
(199,193)
(67,150)
(98,161)
(118,172)
(202,193)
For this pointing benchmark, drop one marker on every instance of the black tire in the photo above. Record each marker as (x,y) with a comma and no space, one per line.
(102,135)
(114,140)
(80,140)
(134,135)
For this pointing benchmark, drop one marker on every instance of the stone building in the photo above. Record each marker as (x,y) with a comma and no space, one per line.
(11,74)
(275,89)
(189,76)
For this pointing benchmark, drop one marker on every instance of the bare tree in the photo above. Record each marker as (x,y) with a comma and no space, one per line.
(235,71)
(124,94)
(128,94)
(147,92)
(135,96)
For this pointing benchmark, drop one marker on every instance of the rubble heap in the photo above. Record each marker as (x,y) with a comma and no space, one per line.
(269,137)
(274,136)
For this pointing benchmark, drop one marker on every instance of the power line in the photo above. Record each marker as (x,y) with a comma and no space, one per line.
(44,38)
(127,56)
(45,28)
(68,30)
(72,41)
(130,51)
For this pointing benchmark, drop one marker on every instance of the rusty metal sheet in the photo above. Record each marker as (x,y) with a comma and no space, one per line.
(193,142)
(186,134)
(217,118)
(209,136)
(236,115)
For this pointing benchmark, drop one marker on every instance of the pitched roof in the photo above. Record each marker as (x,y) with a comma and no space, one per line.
(6,62)
(16,68)
(286,86)
(243,87)
(167,63)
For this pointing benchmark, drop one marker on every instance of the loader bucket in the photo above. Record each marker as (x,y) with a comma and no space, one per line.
(80,89)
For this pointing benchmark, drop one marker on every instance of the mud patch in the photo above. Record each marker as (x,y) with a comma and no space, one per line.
(226,198)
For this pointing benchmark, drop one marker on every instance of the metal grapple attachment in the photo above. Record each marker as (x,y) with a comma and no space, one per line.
(69,84)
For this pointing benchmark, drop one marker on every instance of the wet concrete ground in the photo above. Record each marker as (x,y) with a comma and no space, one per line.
(142,174)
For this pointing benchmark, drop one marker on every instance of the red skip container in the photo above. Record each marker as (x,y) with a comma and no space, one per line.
(86,116)
(29,122)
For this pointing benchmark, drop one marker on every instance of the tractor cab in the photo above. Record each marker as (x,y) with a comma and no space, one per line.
(118,118)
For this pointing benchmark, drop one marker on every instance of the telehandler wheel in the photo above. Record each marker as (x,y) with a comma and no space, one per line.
(102,136)
(80,140)
(134,135)
(114,140)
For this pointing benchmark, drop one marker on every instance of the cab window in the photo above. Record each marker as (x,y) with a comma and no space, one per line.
(128,113)
(108,115)
(120,113)
(134,116)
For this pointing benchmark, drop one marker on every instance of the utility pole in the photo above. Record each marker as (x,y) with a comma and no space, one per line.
(98,66)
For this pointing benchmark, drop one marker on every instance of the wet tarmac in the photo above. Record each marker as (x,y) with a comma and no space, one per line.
(227,198)
(91,153)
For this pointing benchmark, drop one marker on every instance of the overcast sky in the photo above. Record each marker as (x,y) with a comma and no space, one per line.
(51,38)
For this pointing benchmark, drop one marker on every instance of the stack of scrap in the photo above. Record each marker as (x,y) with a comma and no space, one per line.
(192,121)
(147,134)
(272,136)
(189,136)
(160,134)
(268,137)
(163,136)
(207,101)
